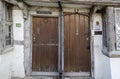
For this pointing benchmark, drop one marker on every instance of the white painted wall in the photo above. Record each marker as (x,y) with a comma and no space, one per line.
(18,61)
(115,68)
(101,62)
(98,56)
(106,68)
(18,33)
(12,62)
(5,65)
(6,58)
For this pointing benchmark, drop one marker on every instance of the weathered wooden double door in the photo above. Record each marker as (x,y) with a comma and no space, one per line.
(76,44)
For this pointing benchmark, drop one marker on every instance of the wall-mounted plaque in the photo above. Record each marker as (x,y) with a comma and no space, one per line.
(18,24)
(43,12)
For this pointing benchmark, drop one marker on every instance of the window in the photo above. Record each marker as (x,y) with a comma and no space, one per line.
(8,12)
(8,26)
(111,35)
(117,26)
(8,35)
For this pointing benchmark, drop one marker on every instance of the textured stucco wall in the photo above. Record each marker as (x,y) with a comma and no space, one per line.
(18,33)
(5,65)
(12,61)
(6,58)
(98,56)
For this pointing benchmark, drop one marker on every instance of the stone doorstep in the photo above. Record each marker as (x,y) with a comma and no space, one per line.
(52,77)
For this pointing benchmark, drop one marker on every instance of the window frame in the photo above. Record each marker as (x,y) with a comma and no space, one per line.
(105,36)
(7,22)
(105,33)
(4,24)
(116,33)
(111,51)
(7,25)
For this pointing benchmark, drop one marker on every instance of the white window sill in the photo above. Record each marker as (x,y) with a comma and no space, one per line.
(7,50)
(111,54)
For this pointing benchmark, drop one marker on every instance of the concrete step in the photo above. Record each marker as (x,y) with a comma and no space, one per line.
(34,77)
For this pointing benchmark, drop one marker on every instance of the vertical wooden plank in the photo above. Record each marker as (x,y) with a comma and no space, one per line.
(33,59)
(66,21)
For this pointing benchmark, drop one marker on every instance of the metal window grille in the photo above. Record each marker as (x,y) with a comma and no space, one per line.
(8,25)
(117,25)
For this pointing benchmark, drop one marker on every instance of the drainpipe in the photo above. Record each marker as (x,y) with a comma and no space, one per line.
(60,40)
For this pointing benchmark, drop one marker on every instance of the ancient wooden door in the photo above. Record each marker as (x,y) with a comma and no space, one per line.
(45,44)
(76,43)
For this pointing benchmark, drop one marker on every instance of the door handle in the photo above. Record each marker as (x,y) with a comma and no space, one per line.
(34,38)
(87,38)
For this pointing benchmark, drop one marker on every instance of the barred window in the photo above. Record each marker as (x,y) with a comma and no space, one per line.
(8,35)
(6,28)
(111,35)
(8,25)
(8,12)
(117,26)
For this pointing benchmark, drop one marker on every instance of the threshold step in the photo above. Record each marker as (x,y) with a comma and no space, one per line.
(47,77)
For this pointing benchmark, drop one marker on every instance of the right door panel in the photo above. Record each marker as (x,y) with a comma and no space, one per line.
(76,43)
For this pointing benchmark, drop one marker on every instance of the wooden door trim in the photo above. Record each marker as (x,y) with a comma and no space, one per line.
(28,49)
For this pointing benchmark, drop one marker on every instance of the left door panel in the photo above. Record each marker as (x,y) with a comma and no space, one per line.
(45,44)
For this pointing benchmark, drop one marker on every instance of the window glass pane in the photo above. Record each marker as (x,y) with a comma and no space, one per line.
(8,35)
(8,12)
(117,20)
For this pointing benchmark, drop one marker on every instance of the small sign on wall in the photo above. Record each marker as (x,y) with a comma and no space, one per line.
(18,25)
(98,28)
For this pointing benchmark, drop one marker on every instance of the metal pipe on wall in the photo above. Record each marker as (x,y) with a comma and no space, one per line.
(60,40)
